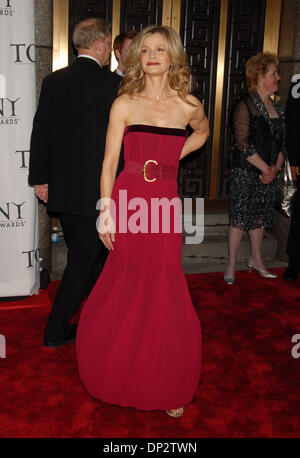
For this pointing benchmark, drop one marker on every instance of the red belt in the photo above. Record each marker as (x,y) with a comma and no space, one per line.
(151,170)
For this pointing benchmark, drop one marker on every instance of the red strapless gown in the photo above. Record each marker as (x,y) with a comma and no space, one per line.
(139,338)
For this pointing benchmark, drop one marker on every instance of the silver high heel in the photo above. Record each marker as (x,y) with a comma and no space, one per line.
(262,273)
(229,280)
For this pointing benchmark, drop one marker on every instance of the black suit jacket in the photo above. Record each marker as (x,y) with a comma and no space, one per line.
(68,136)
(292,119)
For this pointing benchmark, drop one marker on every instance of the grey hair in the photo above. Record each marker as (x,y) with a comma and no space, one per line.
(88,31)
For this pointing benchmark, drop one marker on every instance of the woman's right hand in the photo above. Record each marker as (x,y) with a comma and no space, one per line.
(107,229)
(268,175)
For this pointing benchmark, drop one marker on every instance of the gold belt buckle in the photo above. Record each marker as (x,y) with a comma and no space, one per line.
(144,170)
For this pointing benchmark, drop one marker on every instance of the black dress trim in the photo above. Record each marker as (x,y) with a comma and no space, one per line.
(155,130)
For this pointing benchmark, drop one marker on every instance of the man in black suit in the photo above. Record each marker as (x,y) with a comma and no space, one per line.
(66,154)
(292,114)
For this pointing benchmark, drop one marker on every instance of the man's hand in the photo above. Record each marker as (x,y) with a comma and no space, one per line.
(41,191)
(295,171)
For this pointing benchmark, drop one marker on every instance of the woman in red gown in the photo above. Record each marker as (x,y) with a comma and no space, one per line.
(139,338)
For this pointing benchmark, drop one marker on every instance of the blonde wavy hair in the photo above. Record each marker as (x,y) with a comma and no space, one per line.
(258,65)
(179,73)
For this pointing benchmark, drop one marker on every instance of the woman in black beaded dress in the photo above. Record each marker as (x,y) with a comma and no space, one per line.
(255,160)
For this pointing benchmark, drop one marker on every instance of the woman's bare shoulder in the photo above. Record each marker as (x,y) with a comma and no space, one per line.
(122,106)
(123,100)
(191,104)
(192,99)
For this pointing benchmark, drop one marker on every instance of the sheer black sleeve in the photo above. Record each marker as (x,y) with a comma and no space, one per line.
(241,128)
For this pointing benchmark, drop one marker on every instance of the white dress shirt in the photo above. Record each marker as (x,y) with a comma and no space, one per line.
(118,72)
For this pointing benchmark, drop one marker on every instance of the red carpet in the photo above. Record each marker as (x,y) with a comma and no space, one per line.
(249,385)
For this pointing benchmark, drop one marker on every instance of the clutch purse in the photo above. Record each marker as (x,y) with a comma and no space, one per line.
(287,189)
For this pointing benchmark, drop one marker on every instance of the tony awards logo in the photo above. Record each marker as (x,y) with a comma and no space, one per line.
(6,8)
(11,214)
(31,257)
(8,111)
(23,53)
(22,156)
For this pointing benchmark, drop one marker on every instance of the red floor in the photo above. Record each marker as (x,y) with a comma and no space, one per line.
(249,385)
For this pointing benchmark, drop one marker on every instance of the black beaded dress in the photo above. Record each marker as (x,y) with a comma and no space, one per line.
(250,201)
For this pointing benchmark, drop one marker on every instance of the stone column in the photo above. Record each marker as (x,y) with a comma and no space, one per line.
(43,41)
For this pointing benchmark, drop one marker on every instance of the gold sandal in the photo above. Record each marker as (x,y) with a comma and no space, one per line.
(175,415)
